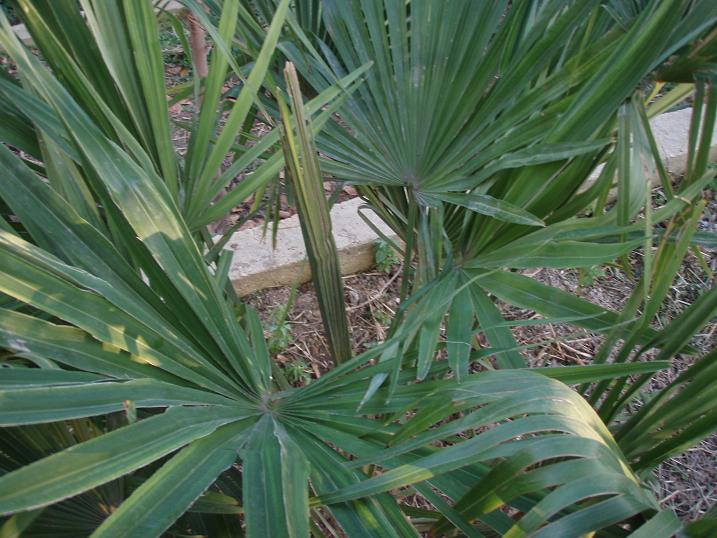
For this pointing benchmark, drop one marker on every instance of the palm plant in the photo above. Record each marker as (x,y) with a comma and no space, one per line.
(111,307)
(478,129)
(111,64)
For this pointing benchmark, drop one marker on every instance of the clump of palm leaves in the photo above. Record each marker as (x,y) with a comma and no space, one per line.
(139,396)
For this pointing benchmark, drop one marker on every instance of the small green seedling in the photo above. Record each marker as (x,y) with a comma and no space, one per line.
(297,372)
(280,336)
(588,275)
(382,317)
(385,257)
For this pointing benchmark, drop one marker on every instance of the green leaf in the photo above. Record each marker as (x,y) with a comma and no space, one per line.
(664,523)
(304,173)
(14,526)
(275,482)
(52,403)
(487,205)
(534,422)
(35,277)
(376,516)
(572,375)
(143,34)
(540,154)
(71,346)
(552,254)
(211,502)
(105,458)
(526,292)
(322,106)
(459,333)
(500,337)
(172,490)
(34,377)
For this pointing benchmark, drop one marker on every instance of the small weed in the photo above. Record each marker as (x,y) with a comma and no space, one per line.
(658,197)
(176,59)
(587,276)
(280,336)
(385,256)
(297,372)
(382,317)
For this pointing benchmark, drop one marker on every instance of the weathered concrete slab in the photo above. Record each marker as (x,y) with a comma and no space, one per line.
(671,131)
(257,266)
(22,33)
